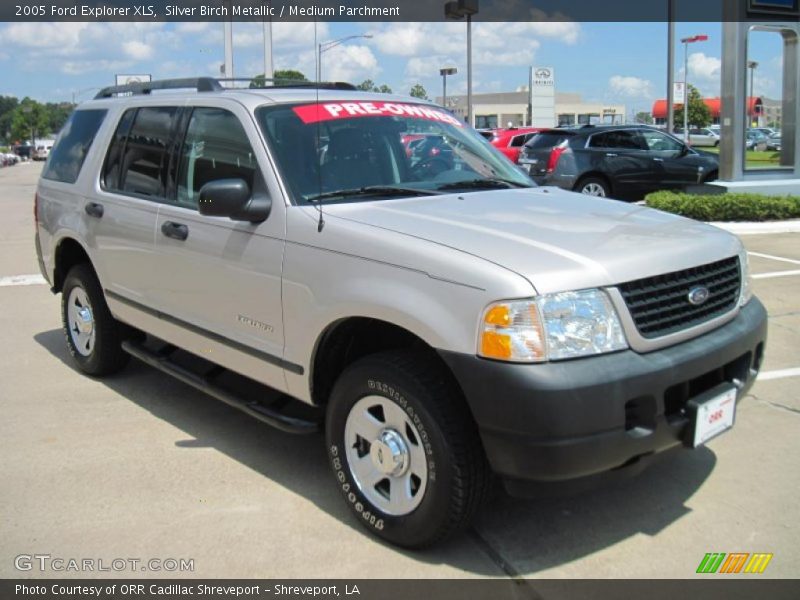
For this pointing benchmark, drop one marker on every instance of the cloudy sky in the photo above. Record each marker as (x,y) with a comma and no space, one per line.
(606,62)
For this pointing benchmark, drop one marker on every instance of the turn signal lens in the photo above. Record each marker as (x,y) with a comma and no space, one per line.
(512,331)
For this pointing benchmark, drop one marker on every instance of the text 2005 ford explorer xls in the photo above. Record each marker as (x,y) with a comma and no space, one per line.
(446,321)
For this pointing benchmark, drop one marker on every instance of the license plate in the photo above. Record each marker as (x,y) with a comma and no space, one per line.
(528,161)
(714,413)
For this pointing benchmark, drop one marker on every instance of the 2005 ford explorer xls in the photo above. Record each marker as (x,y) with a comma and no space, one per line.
(446,322)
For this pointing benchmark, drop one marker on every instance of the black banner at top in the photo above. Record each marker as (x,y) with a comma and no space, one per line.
(401,10)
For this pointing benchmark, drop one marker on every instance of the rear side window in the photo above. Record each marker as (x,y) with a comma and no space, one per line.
(138,162)
(519,140)
(74,141)
(111,170)
(216,147)
(625,140)
(546,140)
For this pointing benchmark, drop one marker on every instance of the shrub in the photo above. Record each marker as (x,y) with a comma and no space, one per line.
(726,207)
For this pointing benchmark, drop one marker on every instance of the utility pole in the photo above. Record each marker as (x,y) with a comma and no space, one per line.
(228,46)
(671,66)
(268,67)
(458,9)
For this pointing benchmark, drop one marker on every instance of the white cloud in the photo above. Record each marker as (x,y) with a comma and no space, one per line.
(704,67)
(349,63)
(631,87)
(137,50)
(193,27)
(285,34)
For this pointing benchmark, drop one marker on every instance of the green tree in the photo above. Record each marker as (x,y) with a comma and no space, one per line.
(30,119)
(281,76)
(7,106)
(57,115)
(369,86)
(418,92)
(699,113)
(644,117)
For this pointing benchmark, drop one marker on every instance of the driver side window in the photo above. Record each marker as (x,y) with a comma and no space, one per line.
(216,147)
(658,142)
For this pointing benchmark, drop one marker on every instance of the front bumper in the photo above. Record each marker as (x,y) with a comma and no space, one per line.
(572,419)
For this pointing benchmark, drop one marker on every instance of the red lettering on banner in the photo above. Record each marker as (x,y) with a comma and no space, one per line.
(314,113)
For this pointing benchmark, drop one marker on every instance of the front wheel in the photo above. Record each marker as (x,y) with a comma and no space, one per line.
(405,452)
(593,186)
(93,336)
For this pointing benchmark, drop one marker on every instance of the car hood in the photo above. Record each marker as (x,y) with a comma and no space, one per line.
(556,239)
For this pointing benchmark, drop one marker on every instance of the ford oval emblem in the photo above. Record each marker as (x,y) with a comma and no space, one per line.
(698,295)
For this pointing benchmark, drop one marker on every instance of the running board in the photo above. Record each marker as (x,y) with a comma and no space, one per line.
(260,411)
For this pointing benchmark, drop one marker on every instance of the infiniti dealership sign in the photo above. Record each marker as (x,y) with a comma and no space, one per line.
(542,97)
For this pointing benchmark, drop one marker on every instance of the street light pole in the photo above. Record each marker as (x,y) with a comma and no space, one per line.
(444,73)
(269,72)
(325,46)
(458,9)
(470,115)
(752,65)
(671,67)
(686,41)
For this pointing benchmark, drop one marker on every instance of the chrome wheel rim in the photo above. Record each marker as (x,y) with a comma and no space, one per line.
(80,321)
(385,455)
(594,189)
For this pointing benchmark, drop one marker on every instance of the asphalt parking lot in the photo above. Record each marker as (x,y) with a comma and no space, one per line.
(142,466)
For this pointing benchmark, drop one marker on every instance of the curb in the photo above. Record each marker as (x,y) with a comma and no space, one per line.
(756,228)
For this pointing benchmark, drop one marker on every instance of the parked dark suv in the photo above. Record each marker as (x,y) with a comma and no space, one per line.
(617,161)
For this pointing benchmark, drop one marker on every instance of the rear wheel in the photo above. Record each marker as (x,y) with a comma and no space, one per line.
(406,454)
(93,336)
(593,186)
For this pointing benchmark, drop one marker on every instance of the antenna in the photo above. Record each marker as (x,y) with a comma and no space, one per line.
(321,222)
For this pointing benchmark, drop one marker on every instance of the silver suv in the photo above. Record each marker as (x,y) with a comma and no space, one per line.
(443,321)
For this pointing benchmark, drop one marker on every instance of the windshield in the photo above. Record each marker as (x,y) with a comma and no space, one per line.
(345,151)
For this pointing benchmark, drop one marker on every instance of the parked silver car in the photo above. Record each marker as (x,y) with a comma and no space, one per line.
(702,136)
(439,325)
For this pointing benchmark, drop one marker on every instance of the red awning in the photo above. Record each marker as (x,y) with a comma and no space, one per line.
(714,104)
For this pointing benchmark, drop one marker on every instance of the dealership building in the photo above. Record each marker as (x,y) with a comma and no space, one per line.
(538,104)
(500,109)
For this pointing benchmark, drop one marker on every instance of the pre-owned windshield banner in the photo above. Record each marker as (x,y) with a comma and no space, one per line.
(332,111)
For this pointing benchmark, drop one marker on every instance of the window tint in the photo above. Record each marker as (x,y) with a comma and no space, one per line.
(216,147)
(111,169)
(625,140)
(659,142)
(546,140)
(74,141)
(519,140)
(145,158)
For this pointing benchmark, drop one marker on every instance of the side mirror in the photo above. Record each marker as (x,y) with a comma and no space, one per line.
(232,198)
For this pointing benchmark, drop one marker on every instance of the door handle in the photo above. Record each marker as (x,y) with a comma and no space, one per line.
(658,159)
(176,231)
(93,209)
(611,154)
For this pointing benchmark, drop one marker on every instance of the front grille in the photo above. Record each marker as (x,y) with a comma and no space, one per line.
(660,305)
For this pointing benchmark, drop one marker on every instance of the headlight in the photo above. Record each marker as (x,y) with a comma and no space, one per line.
(553,326)
(747,284)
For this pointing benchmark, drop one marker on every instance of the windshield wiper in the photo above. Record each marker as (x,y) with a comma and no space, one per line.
(373,190)
(488,183)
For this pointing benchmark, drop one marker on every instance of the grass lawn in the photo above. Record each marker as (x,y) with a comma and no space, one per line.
(755,159)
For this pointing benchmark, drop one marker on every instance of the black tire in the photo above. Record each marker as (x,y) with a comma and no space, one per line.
(594,183)
(713,176)
(106,355)
(457,473)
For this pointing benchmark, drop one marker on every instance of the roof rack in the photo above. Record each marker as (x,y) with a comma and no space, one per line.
(210,84)
(261,83)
